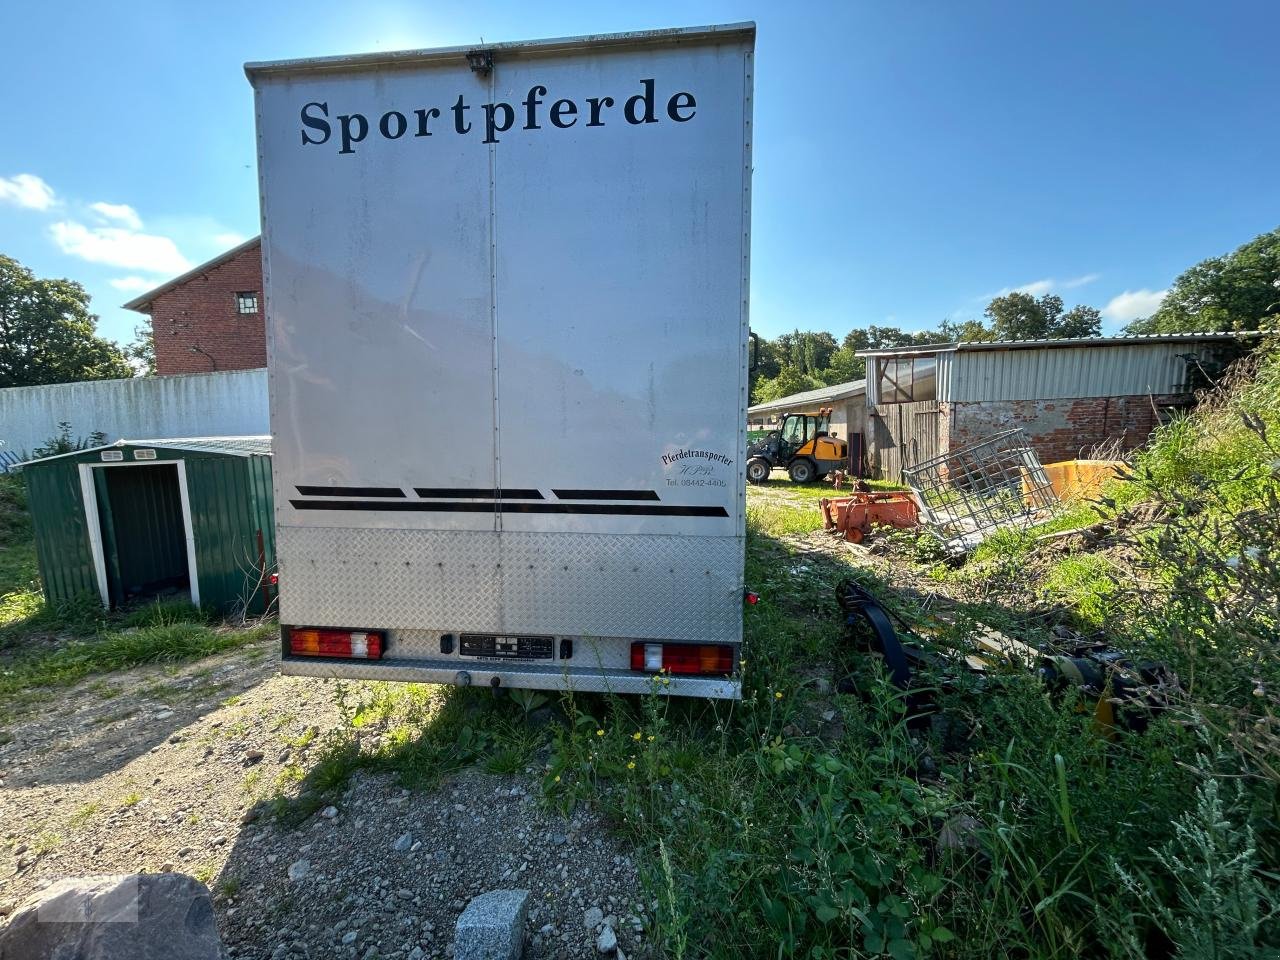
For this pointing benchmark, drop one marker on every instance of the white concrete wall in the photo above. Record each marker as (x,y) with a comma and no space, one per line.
(232,403)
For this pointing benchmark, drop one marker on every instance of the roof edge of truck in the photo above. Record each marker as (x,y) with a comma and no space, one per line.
(366,61)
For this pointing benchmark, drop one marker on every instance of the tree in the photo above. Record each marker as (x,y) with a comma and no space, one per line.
(787,382)
(1238,291)
(845,366)
(142,352)
(48,335)
(966,331)
(807,352)
(1079,321)
(1020,316)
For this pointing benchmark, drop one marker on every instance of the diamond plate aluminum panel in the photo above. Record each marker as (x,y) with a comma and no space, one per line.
(517,676)
(605,585)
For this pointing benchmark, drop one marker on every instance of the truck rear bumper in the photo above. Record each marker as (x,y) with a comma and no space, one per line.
(526,676)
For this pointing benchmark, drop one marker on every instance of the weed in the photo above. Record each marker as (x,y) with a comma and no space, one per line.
(83,815)
(251,781)
(165,613)
(1086,584)
(118,650)
(131,799)
(304,739)
(1219,908)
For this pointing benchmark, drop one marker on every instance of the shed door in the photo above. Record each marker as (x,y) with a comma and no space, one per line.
(143,537)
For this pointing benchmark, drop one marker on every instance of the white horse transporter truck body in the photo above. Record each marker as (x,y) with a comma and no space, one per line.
(507,292)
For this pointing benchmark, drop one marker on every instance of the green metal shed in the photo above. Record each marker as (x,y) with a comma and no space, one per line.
(146,518)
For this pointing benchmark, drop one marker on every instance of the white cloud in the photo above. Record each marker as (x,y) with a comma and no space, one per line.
(119,212)
(133,284)
(27,190)
(229,239)
(1080,281)
(1132,305)
(1038,288)
(120,247)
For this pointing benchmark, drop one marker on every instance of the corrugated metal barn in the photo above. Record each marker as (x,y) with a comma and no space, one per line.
(844,399)
(1068,395)
(150,518)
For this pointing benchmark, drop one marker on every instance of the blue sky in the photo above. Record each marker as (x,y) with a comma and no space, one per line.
(912,158)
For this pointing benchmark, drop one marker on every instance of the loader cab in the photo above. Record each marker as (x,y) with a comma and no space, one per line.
(799,428)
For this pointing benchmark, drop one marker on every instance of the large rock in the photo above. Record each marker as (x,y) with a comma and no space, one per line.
(150,916)
(492,926)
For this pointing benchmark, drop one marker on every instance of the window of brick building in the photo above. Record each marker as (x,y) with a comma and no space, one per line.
(247,301)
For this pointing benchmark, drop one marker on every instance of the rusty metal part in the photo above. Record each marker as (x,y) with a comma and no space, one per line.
(853,516)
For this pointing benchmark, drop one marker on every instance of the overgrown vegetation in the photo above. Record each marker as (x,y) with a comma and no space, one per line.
(18,598)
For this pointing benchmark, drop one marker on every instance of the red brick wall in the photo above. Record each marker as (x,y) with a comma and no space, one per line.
(1058,429)
(197,327)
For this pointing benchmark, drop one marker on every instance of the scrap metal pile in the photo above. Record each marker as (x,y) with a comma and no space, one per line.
(971,492)
(1124,692)
(964,496)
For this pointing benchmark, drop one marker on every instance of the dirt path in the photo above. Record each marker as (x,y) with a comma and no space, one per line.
(156,769)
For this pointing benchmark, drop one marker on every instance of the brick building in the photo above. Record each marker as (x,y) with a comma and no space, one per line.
(210,318)
(1068,396)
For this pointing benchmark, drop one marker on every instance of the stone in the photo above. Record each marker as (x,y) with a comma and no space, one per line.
(607,942)
(299,869)
(252,756)
(97,918)
(592,918)
(492,926)
(329,813)
(349,937)
(960,832)
(403,843)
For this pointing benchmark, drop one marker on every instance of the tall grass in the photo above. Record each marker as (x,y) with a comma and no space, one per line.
(120,649)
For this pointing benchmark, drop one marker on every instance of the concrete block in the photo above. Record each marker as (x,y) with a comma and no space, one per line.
(492,926)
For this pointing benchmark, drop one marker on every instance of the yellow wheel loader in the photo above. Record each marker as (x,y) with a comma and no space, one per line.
(803,446)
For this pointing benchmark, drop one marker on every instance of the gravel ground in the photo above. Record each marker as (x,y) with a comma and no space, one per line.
(155,769)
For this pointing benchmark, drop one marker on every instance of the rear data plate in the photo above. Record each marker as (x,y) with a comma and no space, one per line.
(499,647)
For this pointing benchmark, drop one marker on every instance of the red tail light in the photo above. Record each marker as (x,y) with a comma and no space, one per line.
(698,658)
(357,644)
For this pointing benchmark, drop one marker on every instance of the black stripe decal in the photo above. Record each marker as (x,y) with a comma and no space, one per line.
(474,493)
(351,491)
(606,494)
(605,509)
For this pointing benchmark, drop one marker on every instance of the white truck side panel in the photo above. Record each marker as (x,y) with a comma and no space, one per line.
(508,379)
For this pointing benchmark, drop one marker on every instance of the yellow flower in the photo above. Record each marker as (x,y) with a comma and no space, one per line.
(666,681)
(651,738)
(636,735)
(557,778)
(778,695)
(742,663)
(599,733)
(631,765)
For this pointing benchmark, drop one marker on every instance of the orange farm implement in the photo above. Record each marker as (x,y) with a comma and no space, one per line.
(853,516)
